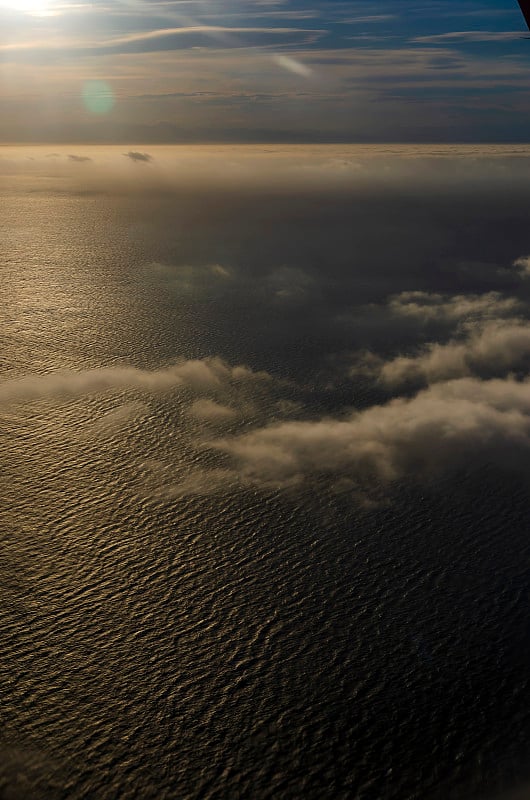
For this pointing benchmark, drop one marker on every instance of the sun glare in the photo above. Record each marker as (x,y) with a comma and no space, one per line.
(39,8)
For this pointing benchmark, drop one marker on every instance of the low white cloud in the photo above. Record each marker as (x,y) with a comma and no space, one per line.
(209,373)
(427,306)
(290,284)
(210,411)
(440,426)
(495,347)
(522,265)
(188,278)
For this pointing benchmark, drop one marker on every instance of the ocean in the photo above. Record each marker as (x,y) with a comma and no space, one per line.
(264,498)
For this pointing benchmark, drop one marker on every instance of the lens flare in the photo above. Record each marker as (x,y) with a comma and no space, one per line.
(98,97)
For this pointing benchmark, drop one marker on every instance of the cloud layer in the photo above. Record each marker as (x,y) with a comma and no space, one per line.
(463,420)
(446,424)
(493,348)
(331,272)
(200,375)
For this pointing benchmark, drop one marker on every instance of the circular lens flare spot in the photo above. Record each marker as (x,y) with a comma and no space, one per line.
(98,97)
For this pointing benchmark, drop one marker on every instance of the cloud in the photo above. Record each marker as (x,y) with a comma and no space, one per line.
(493,348)
(467,413)
(135,156)
(184,37)
(522,265)
(204,36)
(427,306)
(441,426)
(210,411)
(199,375)
(434,336)
(188,278)
(470,36)
(290,284)
(369,19)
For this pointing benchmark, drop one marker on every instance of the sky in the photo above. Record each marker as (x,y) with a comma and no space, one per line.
(252,71)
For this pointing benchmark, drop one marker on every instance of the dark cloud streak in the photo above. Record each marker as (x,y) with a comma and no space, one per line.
(134,155)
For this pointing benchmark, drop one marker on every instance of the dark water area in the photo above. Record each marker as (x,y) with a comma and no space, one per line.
(306,640)
(267,648)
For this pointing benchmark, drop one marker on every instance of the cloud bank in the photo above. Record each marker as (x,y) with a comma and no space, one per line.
(200,375)
(366,366)
(462,417)
(426,306)
(443,425)
(494,347)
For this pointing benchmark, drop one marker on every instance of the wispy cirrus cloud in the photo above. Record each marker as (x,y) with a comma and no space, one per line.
(469,36)
(414,65)
(369,19)
(169,38)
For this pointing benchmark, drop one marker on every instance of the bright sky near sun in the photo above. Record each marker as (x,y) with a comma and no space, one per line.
(263,70)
